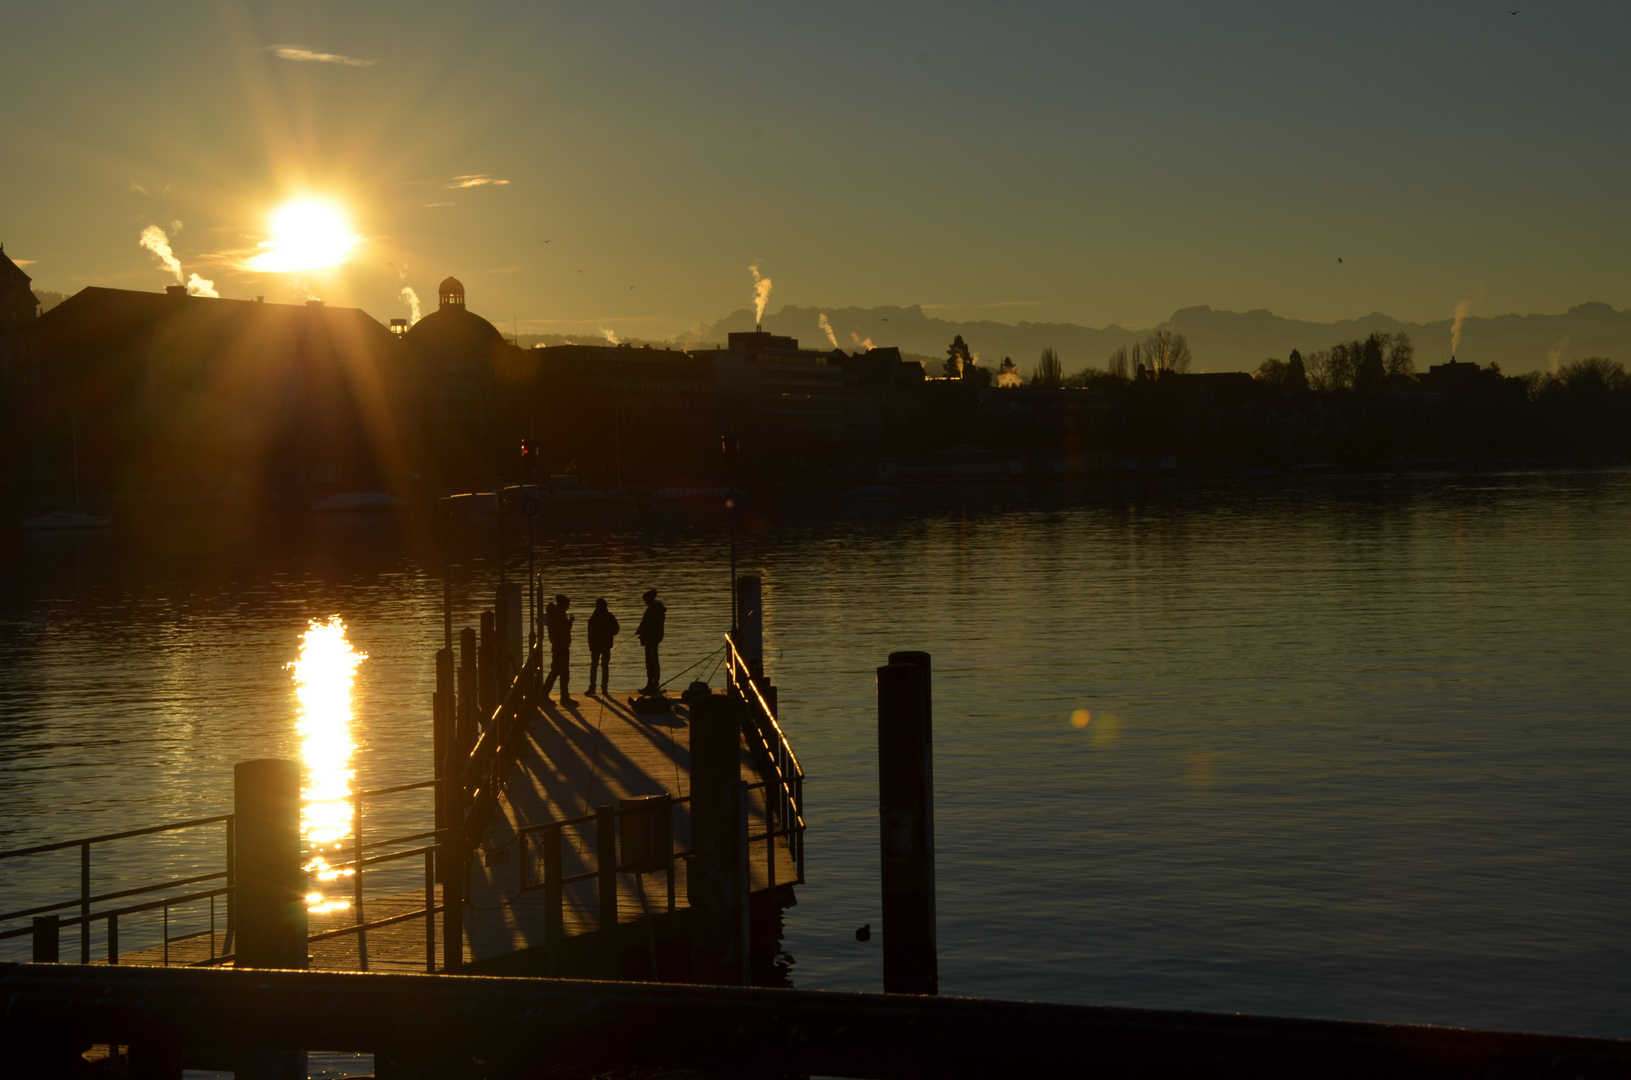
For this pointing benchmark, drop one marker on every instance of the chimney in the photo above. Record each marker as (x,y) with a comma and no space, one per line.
(260,299)
(314,303)
(175,290)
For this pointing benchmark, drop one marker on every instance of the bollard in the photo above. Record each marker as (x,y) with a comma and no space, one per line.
(271,900)
(750,624)
(46,939)
(715,885)
(906,824)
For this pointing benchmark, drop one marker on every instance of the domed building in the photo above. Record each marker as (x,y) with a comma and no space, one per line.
(462,362)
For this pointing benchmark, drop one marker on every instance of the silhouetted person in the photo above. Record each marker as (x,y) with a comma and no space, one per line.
(650,633)
(602,629)
(559,626)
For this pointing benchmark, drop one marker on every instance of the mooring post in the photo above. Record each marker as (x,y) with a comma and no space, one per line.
(487,667)
(509,633)
(906,824)
(47,938)
(271,887)
(468,727)
(714,885)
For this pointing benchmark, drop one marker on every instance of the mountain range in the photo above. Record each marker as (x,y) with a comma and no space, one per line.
(1219,340)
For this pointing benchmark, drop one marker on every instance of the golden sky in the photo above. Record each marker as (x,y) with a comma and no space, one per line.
(621,166)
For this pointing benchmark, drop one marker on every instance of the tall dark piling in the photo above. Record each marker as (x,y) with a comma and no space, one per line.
(270,907)
(47,939)
(469,706)
(487,667)
(716,887)
(511,612)
(442,732)
(906,824)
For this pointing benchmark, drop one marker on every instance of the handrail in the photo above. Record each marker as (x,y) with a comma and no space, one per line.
(736,661)
(76,901)
(65,844)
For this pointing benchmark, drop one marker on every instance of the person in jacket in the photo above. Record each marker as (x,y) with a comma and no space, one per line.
(650,633)
(603,628)
(558,624)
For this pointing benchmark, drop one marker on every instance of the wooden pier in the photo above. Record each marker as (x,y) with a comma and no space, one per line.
(539,804)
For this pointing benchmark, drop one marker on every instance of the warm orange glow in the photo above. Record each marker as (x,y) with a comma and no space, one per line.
(323,676)
(305,236)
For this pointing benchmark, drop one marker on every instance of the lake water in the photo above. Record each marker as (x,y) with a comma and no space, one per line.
(1358,748)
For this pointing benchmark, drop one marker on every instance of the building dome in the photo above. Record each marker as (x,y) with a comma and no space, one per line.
(450,292)
(452,332)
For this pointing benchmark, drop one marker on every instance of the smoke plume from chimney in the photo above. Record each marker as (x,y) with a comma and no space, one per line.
(1554,355)
(826,328)
(155,239)
(1461,310)
(610,337)
(411,298)
(302,288)
(865,343)
(761,295)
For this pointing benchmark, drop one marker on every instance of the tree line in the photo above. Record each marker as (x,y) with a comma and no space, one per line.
(1161,353)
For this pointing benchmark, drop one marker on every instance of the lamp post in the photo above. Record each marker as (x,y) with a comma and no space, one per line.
(729,444)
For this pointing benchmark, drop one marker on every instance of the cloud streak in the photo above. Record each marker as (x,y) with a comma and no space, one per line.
(301,54)
(474,180)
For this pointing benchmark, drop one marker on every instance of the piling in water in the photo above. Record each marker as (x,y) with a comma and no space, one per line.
(906,824)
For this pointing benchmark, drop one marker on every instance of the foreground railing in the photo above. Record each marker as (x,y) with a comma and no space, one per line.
(784,777)
(437,1025)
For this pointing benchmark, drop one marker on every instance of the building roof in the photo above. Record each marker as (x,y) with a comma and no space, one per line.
(124,320)
(17,303)
(11,275)
(453,332)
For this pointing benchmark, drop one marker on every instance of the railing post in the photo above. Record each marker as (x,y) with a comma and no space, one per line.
(450,864)
(906,825)
(430,912)
(442,740)
(554,916)
(232,891)
(356,879)
(85,902)
(271,889)
(508,611)
(113,940)
(47,938)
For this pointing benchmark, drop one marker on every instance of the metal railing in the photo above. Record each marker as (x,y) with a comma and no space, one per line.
(784,776)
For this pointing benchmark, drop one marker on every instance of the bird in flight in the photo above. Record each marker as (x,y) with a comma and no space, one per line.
(1514,12)
(546,241)
(1339,258)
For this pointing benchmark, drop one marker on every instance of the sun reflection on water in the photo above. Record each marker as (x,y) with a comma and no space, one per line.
(323,676)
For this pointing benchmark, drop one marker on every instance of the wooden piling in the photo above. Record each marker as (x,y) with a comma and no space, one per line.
(442,740)
(271,903)
(715,884)
(509,612)
(906,824)
(469,707)
(47,939)
(487,667)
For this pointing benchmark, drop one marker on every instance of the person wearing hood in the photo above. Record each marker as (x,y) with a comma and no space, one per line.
(558,624)
(603,628)
(650,633)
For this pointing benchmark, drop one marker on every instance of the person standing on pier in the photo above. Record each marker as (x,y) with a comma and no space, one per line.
(650,633)
(558,624)
(603,628)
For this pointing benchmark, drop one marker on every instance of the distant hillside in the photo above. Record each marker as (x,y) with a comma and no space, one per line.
(1220,340)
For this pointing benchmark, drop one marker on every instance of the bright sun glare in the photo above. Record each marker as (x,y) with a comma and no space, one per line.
(305,236)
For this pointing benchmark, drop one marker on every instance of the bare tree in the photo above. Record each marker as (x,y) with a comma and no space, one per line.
(1117,365)
(1050,373)
(1401,358)
(1167,352)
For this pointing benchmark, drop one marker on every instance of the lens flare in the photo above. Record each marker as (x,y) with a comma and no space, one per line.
(1080,718)
(305,236)
(323,676)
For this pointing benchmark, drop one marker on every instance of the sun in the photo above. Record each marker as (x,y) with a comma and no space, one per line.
(305,236)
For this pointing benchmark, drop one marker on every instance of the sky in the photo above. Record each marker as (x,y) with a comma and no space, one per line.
(1088,163)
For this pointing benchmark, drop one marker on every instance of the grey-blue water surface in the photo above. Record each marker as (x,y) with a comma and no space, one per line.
(1357,748)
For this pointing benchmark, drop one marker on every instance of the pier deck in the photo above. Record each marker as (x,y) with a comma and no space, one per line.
(573,759)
